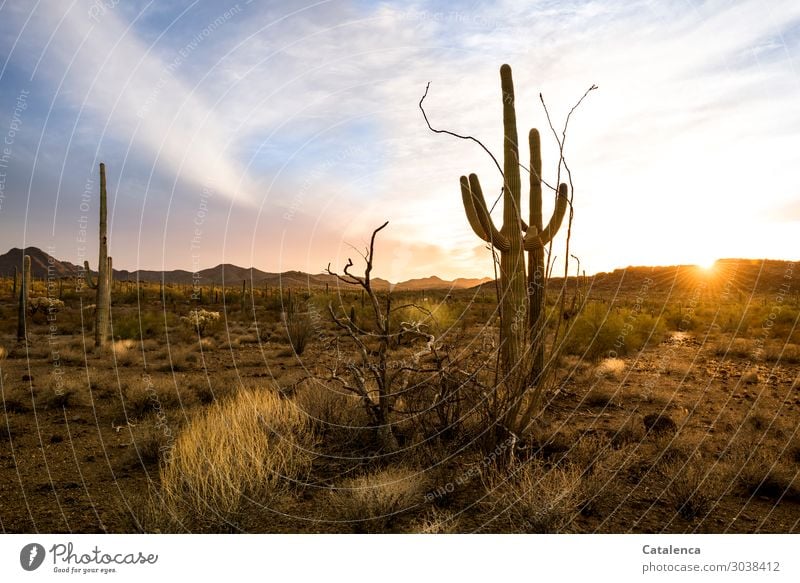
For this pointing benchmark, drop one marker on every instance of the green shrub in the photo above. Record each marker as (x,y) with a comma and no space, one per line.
(600,331)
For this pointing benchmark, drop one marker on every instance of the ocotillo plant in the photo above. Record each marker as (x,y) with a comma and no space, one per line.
(23,298)
(508,240)
(103,285)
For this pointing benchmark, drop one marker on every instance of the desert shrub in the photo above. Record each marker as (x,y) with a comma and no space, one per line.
(298,327)
(436,317)
(534,499)
(45,305)
(599,331)
(374,501)
(253,446)
(138,325)
(201,320)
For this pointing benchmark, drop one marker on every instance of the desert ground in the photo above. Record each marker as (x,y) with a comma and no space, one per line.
(670,409)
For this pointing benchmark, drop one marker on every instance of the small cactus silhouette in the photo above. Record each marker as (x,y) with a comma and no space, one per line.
(104,271)
(24,291)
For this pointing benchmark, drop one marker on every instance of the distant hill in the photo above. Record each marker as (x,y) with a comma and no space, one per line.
(228,273)
(40,262)
(739,276)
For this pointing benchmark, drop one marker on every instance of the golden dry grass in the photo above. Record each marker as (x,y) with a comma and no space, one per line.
(535,499)
(374,501)
(253,446)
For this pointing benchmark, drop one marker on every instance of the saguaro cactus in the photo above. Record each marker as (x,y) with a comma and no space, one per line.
(104,271)
(522,308)
(14,289)
(24,290)
(535,240)
(508,240)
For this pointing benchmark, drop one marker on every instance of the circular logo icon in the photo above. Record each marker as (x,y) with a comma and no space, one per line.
(31,556)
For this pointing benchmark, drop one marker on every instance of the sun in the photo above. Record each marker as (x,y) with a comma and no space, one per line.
(707,264)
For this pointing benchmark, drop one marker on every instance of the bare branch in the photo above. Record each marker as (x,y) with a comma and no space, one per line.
(455,135)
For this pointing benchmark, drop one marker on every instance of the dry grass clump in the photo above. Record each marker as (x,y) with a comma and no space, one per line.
(61,394)
(611,368)
(253,446)
(74,354)
(783,353)
(738,347)
(125,352)
(601,396)
(150,445)
(180,358)
(534,499)
(437,522)
(150,395)
(3,353)
(329,409)
(374,501)
(693,486)
(760,473)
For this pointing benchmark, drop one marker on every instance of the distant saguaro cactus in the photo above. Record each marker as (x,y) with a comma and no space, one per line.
(14,289)
(23,298)
(104,271)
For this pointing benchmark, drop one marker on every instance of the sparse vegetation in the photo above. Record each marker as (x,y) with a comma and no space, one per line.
(251,447)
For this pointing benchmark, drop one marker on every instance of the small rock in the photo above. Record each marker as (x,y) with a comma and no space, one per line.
(56,439)
(659,424)
(27,377)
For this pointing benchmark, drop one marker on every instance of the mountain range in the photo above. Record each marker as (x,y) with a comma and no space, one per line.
(740,276)
(231,274)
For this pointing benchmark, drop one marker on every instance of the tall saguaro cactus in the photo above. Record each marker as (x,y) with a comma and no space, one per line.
(522,307)
(24,290)
(535,240)
(508,240)
(103,284)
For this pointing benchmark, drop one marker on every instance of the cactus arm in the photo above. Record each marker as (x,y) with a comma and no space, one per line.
(469,208)
(534,141)
(562,200)
(89,282)
(497,238)
(534,238)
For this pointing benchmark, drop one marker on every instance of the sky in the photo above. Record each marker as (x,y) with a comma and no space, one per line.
(280,134)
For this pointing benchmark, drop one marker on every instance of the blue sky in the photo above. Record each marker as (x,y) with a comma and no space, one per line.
(293,128)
